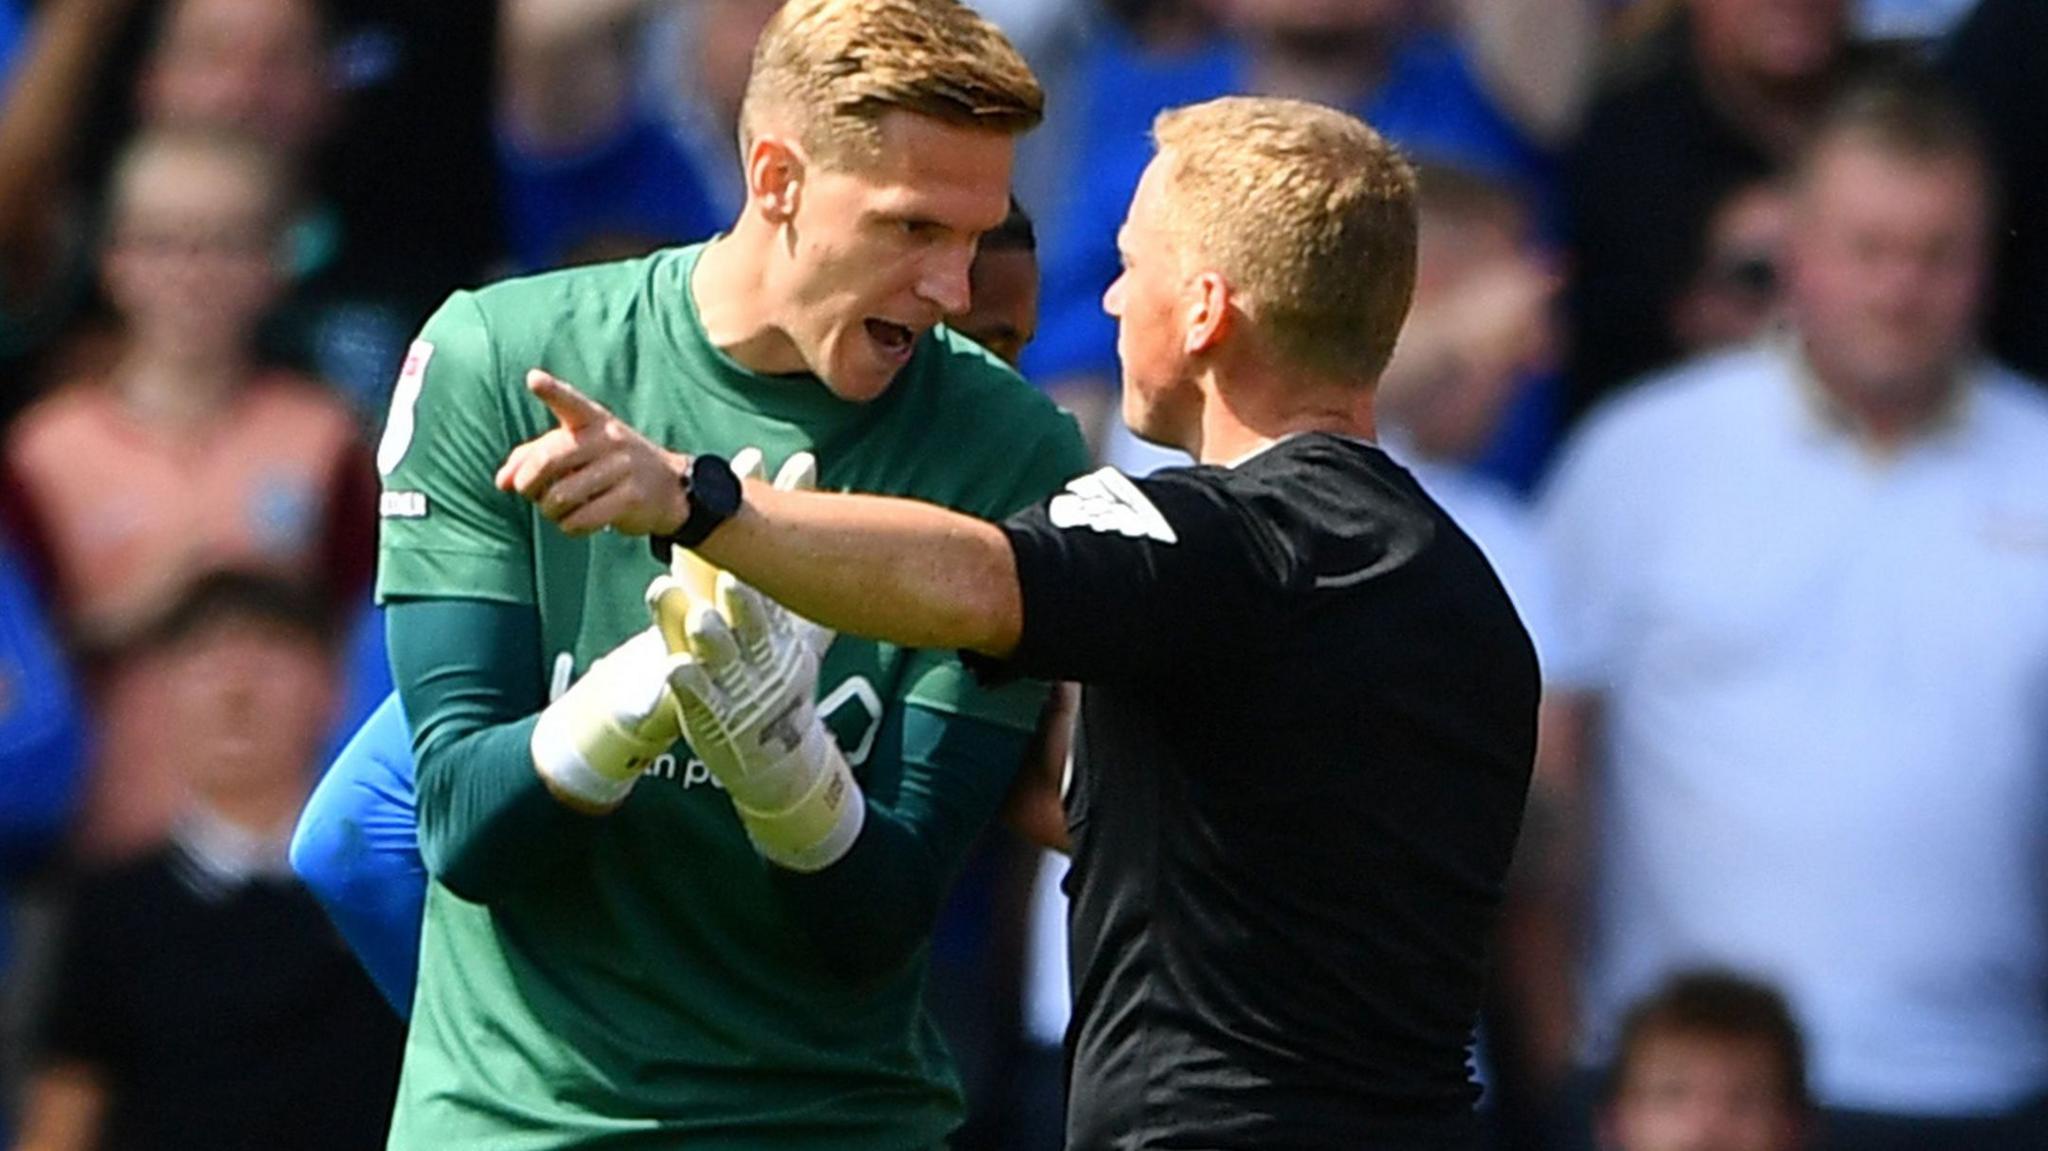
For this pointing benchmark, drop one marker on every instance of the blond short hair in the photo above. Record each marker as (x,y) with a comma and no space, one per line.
(836,67)
(1307,213)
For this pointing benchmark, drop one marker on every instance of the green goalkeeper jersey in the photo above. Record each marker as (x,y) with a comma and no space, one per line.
(659,993)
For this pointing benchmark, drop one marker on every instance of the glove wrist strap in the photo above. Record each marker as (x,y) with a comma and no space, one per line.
(818,829)
(596,768)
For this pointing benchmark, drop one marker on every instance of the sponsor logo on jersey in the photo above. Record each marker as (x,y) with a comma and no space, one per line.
(402,505)
(1107,501)
(851,713)
(691,771)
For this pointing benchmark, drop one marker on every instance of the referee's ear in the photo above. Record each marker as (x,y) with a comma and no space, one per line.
(1209,314)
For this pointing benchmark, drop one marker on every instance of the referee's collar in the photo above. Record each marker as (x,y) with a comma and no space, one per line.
(1269,445)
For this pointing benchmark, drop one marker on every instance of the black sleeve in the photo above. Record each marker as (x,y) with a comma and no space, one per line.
(1124,578)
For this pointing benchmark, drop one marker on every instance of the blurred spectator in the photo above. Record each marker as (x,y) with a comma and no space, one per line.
(187,455)
(202,1000)
(1709,1062)
(1733,295)
(602,156)
(1999,59)
(1486,94)
(380,109)
(13,30)
(1910,20)
(1804,647)
(1480,324)
(1718,98)
(42,745)
(42,734)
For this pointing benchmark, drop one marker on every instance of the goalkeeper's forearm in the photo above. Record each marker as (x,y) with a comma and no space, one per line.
(467,672)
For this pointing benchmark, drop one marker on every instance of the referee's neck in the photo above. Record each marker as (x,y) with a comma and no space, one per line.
(1239,420)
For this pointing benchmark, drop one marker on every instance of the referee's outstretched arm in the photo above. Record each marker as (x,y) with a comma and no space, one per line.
(896,570)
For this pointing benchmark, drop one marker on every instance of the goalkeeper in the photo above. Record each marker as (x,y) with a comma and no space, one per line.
(357,843)
(611,955)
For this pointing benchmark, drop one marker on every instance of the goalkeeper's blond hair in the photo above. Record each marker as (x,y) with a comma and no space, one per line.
(829,70)
(1309,216)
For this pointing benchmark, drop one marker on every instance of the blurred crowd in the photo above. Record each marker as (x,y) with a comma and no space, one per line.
(1726,347)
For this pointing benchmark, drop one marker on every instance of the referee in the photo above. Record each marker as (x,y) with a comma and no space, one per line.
(1308,710)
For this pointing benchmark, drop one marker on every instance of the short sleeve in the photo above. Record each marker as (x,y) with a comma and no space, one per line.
(1127,578)
(446,530)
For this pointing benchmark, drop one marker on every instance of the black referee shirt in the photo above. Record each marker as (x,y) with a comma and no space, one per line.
(1306,733)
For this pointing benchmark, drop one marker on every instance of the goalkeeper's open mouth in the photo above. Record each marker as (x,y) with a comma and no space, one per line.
(894,340)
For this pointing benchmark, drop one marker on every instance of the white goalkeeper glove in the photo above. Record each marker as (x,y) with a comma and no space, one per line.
(592,743)
(745,693)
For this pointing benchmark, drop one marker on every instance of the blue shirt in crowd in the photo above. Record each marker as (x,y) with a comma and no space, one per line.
(641,184)
(42,734)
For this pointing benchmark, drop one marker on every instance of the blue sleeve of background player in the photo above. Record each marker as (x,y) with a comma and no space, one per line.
(357,848)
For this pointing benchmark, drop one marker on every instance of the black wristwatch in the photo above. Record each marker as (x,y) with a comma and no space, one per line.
(713,494)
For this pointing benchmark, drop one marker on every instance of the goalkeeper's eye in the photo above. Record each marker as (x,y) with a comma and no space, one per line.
(920,230)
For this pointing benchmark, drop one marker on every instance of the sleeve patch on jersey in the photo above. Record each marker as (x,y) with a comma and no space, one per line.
(402,505)
(1107,501)
(405,396)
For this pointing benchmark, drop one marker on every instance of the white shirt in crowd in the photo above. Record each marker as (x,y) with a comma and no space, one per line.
(1910,19)
(1823,686)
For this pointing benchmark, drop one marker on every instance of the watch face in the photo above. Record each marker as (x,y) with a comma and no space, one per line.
(714,495)
(714,486)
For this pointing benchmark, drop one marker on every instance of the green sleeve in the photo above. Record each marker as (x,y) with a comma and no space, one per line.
(487,825)
(871,911)
(446,528)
